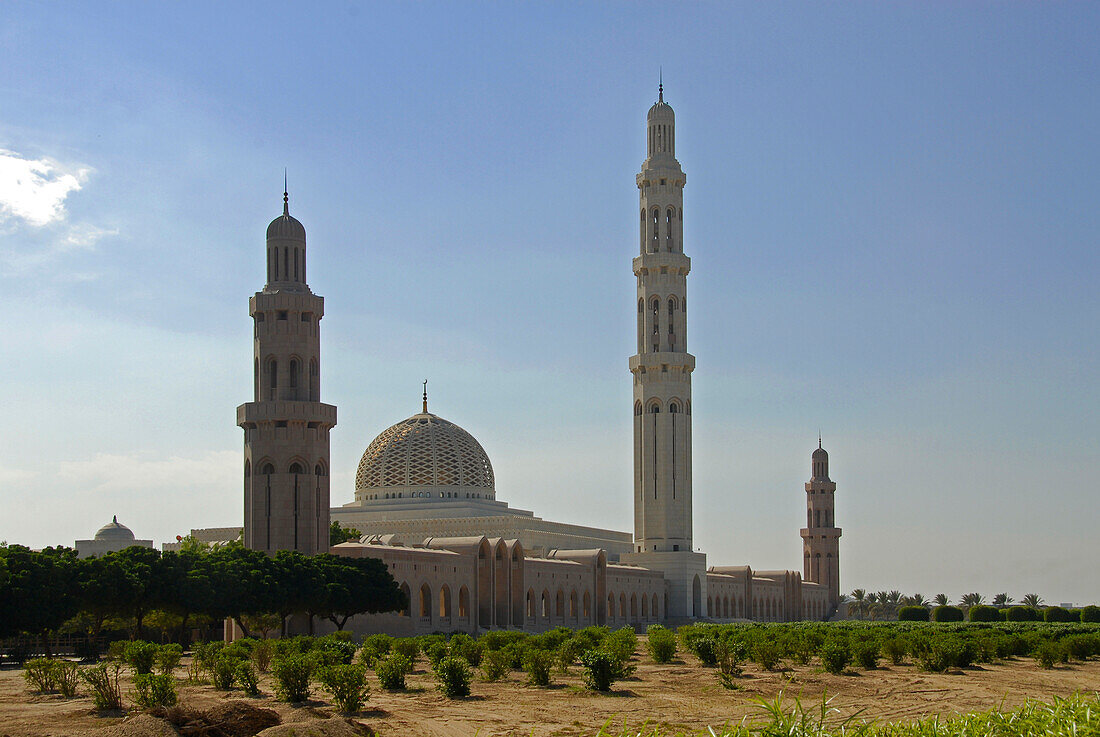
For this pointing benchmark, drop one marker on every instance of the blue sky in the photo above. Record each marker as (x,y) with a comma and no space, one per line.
(891,212)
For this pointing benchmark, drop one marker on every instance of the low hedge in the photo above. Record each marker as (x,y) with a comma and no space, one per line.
(947,614)
(913,614)
(982,613)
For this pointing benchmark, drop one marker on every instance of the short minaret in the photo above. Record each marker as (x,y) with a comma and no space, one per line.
(286,427)
(661,372)
(821,536)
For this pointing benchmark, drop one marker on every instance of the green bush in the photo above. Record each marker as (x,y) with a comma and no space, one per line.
(705,648)
(1060,614)
(435,651)
(40,674)
(947,614)
(66,677)
(391,670)
(1024,614)
(374,647)
(495,664)
(261,655)
(835,657)
(867,654)
(244,675)
(106,692)
(1091,613)
(895,649)
(168,658)
(729,656)
(464,646)
(334,649)
(622,643)
(409,648)
(223,672)
(292,676)
(1081,647)
(661,644)
(982,613)
(151,690)
(569,651)
(766,653)
(537,664)
(348,685)
(913,614)
(600,669)
(453,677)
(116,651)
(1048,653)
(140,656)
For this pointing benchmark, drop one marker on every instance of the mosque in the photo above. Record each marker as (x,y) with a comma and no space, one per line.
(425,498)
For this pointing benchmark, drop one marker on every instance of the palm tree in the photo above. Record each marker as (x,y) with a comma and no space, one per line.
(859,596)
(1032,600)
(941,600)
(971,600)
(893,603)
(1002,600)
(882,604)
(916,600)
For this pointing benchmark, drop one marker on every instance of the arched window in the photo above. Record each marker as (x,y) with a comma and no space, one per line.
(294,373)
(464,602)
(559,607)
(295,264)
(273,373)
(655,224)
(247,468)
(408,598)
(645,607)
(286,263)
(633,606)
(674,408)
(319,470)
(445,602)
(653,611)
(545,608)
(641,228)
(296,468)
(641,305)
(573,604)
(668,229)
(637,409)
(587,611)
(267,469)
(622,605)
(655,409)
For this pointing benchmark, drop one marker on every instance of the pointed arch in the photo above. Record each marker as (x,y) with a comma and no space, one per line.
(425,600)
(464,603)
(559,604)
(445,602)
(408,599)
(573,604)
(586,610)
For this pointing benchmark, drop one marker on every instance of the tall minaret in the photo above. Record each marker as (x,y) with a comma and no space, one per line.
(821,536)
(662,374)
(286,427)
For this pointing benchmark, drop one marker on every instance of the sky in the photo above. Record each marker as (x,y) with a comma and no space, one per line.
(891,210)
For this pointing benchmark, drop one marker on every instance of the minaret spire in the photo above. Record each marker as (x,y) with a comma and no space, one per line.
(661,86)
(286,196)
(425,396)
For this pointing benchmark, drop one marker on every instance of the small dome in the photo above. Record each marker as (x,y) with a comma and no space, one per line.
(820,454)
(424,450)
(113,530)
(286,227)
(660,111)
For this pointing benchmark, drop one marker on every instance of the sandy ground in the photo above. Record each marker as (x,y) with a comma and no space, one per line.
(678,695)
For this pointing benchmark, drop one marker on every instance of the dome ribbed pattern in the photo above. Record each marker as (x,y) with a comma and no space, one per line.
(286,226)
(424,450)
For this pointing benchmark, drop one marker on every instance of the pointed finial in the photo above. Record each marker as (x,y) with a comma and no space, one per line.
(661,86)
(114,519)
(819,440)
(286,197)
(425,396)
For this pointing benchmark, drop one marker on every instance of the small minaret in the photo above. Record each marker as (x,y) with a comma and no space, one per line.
(286,427)
(661,372)
(821,536)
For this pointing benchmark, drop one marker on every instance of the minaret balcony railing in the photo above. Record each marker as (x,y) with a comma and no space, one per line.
(652,263)
(278,410)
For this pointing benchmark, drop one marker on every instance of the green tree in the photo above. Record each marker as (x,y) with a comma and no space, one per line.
(859,598)
(337,533)
(41,593)
(1032,600)
(971,600)
(105,586)
(142,566)
(357,586)
(941,600)
(1002,600)
(243,582)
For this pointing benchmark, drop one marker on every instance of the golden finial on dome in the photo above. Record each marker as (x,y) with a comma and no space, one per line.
(425,396)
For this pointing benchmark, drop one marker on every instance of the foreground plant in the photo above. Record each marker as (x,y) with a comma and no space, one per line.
(453,677)
(154,690)
(348,685)
(106,692)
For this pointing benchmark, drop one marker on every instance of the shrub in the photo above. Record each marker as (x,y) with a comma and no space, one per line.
(599,669)
(1060,614)
(409,648)
(40,674)
(706,649)
(729,657)
(947,614)
(866,654)
(494,664)
(1048,653)
(151,690)
(244,675)
(537,664)
(835,657)
(1024,614)
(140,656)
(436,651)
(1081,647)
(261,655)
(348,685)
(621,643)
(1091,613)
(766,653)
(66,678)
(292,675)
(117,650)
(106,692)
(895,649)
(391,670)
(913,614)
(374,647)
(464,646)
(453,677)
(168,658)
(334,649)
(223,672)
(982,613)
(569,651)
(661,644)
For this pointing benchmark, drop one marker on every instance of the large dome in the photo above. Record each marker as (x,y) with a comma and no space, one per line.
(425,451)
(114,531)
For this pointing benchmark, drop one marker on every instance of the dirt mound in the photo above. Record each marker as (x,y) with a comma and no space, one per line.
(334,727)
(140,725)
(228,719)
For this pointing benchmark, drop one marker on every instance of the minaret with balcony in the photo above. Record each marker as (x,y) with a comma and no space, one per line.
(821,536)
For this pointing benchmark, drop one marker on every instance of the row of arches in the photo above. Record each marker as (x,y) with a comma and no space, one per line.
(657,229)
(291,261)
(266,467)
(655,407)
(819,518)
(444,609)
(669,331)
(661,138)
(288,381)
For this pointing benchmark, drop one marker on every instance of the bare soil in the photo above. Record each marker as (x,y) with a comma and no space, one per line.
(680,695)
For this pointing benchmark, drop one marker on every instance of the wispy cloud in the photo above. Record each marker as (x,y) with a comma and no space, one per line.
(107,472)
(34,190)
